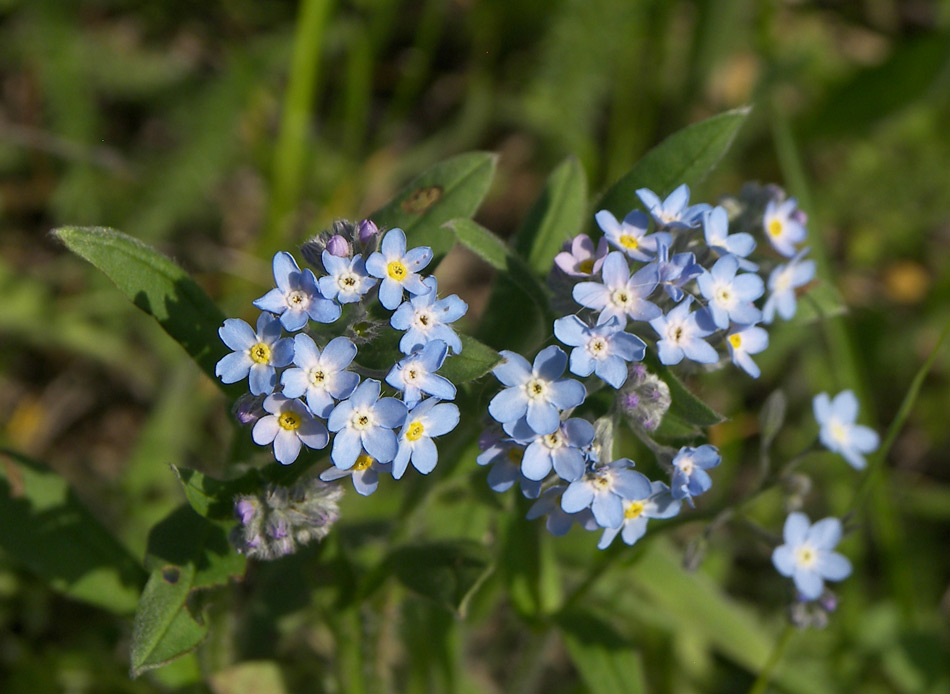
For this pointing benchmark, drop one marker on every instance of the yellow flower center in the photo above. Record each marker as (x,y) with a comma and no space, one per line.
(260,353)
(838,431)
(415,430)
(775,227)
(735,340)
(633,510)
(289,421)
(362,462)
(806,556)
(628,241)
(397,270)
(586,266)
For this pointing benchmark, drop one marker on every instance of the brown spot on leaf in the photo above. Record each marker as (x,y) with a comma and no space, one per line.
(171,574)
(422,199)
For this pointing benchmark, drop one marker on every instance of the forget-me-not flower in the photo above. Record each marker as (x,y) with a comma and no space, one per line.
(287,425)
(746,340)
(620,294)
(256,354)
(429,418)
(364,474)
(296,297)
(398,268)
(536,391)
(716,231)
(784,225)
(689,471)
(562,450)
(630,236)
(415,374)
(674,273)
(681,335)
(730,296)
(558,520)
(783,282)
(675,211)
(347,280)
(322,377)
(636,512)
(504,455)
(425,317)
(603,349)
(365,422)
(839,433)
(807,555)
(581,258)
(603,490)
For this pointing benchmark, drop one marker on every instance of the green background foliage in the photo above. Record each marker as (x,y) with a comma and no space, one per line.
(219,132)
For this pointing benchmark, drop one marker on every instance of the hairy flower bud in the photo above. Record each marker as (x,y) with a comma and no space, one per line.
(279,520)
(248,408)
(644,398)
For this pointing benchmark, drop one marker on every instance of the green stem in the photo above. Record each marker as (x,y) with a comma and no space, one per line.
(291,150)
(765,676)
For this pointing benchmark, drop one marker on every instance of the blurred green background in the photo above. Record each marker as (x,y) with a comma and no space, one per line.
(221,131)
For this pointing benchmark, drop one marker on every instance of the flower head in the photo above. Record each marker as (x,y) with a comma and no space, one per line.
(743,341)
(562,450)
(689,471)
(364,474)
(675,211)
(288,425)
(839,433)
(730,296)
(784,225)
(365,422)
(296,297)
(620,294)
(415,374)
(347,280)
(603,490)
(603,349)
(636,512)
(580,258)
(681,336)
(674,273)
(427,419)
(398,268)
(630,236)
(783,282)
(322,377)
(257,354)
(425,318)
(716,231)
(807,555)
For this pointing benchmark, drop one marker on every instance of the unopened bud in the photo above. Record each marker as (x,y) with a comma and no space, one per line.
(248,408)
(339,246)
(367,232)
(644,399)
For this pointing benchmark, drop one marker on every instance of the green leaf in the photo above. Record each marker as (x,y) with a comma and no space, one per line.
(159,287)
(213,498)
(45,528)
(529,567)
(475,361)
(606,662)
(686,156)
(447,572)
(185,552)
(452,188)
(557,216)
(164,628)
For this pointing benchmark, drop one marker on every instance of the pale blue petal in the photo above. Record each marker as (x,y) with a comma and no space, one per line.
(550,363)
(340,417)
(237,334)
(845,406)
(274,301)
(509,404)
(233,367)
(265,430)
(783,558)
(380,443)
(425,455)
(572,331)
(833,566)
(613,371)
(312,433)
(391,413)
(567,393)
(796,528)
(825,534)
(568,464)
(262,379)
(808,582)
(577,497)
(591,294)
(514,371)
(608,510)
(582,363)
(390,293)
(536,463)
(346,448)
(295,383)
(286,447)
(443,419)
(543,417)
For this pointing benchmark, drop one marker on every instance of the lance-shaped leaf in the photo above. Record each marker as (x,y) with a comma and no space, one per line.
(606,662)
(185,552)
(159,287)
(686,156)
(45,528)
(556,217)
(452,188)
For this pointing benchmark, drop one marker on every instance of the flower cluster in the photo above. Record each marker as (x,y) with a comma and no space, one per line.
(307,387)
(673,278)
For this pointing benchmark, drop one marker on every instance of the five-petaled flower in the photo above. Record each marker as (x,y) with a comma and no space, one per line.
(603,349)
(807,555)
(630,236)
(347,280)
(415,374)
(689,471)
(256,354)
(620,294)
(365,422)
(839,433)
(425,318)
(398,268)
(296,298)
(784,225)
(429,418)
(288,425)
(322,377)
(636,512)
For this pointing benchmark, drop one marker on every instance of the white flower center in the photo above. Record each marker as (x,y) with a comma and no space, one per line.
(598,348)
(423,321)
(838,431)
(297,300)
(686,465)
(724,295)
(806,556)
(536,389)
(318,378)
(553,441)
(348,282)
(361,420)
(622,298)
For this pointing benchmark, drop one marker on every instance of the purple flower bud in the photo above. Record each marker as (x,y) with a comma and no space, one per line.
(248,408)
(367,231)
(245,509)
(338,246)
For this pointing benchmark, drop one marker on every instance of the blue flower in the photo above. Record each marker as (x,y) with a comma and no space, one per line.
(415,374)
(562,450)
(631,237)
(580,258)
(397,268)
(689,471)
(321,377)
(256,354)
(784,225)
(674,212)
(288,425)
(505,456)
(716,231)
(620,294)
(681,335)
(604,349)
(603,490)
(425,317)
(364,474)
(537,392)
(730,296)
(296,297)
(365,422)
(746,340)
(558,520)
(347,280)
(839,433)
(636,512)
(427,419)
(674,273)
(807,555)
(783,282)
